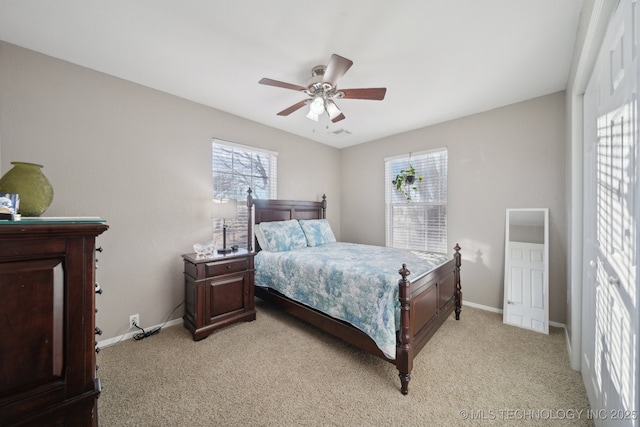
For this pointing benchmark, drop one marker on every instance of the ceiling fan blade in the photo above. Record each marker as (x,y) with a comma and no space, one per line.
(337,119)
(293,108)
(276,83)
(336,68)
(372,93)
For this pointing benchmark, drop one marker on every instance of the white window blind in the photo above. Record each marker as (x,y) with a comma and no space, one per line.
(235,169)
(419,224)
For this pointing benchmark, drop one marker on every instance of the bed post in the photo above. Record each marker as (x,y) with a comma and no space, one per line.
(249,221)
(458,259)
(324,206)
(404,351)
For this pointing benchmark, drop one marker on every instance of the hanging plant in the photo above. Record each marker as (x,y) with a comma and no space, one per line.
(406,181)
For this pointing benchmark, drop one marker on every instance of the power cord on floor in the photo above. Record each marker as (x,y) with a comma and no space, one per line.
(144,334)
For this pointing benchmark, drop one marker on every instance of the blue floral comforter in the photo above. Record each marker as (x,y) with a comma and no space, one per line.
(348,281)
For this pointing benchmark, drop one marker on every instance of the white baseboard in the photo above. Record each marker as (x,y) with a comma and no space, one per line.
(567,339)
(500,311)
(129,335)
(482,307)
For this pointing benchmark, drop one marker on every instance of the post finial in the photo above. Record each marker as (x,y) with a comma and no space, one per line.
(324,206)
(404,272)
(249,198)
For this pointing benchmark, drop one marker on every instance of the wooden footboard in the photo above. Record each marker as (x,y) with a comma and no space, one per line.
(425,303)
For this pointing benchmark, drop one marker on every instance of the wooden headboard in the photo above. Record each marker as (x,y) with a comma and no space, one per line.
(281,210)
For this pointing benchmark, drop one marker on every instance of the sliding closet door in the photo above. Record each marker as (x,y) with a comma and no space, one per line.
(610,327)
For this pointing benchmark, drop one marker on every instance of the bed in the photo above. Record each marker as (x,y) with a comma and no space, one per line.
(422,300)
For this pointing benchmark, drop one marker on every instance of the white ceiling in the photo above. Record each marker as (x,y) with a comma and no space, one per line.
(438,59)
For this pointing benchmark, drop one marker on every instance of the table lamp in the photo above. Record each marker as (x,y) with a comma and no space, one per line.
(225,209)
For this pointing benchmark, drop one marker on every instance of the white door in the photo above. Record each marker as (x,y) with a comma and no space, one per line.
(610,325)
(525,305)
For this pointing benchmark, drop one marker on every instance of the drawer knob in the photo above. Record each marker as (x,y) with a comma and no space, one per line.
(98,331)
(228,266)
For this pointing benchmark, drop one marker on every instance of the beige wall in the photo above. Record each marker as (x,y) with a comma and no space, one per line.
(511,157)
(141,159)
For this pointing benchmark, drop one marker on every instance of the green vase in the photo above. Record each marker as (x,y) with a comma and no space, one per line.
(35,190)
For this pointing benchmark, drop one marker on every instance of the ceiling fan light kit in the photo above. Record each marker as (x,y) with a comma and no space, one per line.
(322,90)
(332,109)
(316,107)
(312,116)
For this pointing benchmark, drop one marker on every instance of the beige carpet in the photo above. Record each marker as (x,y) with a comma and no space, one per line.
(278,371)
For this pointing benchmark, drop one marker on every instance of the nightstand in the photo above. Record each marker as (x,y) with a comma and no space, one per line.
(218,291)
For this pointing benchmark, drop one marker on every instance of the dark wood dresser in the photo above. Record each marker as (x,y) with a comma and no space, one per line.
(47,322)
(218,291)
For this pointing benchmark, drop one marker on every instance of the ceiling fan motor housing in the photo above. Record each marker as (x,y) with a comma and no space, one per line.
(315,82)
(319,88)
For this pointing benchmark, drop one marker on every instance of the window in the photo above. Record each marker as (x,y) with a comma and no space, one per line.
(236,168)
(420,224)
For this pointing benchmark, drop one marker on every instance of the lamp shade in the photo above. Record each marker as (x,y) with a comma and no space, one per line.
(312,116)
(332,109)
(224,208)
(317,106)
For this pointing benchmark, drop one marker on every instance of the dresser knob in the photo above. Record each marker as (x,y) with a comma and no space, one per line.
(97,348)
(99,249)
(228,267)
(98,331)
(98,288)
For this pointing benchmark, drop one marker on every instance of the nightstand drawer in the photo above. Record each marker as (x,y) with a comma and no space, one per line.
(226,267)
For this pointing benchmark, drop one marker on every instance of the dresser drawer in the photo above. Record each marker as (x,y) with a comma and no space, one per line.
(226,267)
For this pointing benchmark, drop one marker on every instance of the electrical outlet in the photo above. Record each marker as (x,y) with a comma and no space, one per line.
(134,319)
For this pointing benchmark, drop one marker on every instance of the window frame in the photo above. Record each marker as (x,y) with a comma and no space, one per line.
(240,181)
(426,228)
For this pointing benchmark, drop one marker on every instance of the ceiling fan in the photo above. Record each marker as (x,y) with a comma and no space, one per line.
(322,90)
